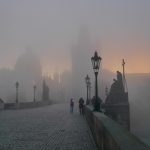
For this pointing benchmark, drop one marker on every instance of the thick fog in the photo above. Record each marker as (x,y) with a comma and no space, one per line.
(54,40)
(119,28)
(139,97)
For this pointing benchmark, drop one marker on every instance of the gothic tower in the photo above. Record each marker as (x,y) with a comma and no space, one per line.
(80,63)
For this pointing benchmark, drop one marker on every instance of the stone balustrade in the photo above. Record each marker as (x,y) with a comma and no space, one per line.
(26,105)
(109,135)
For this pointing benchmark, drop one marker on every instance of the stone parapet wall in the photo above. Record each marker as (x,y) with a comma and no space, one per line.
(26,105)
(119,113)
(109,135)
(1,106)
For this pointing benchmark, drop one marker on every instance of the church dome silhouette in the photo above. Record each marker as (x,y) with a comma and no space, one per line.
(28,63)
(28,72)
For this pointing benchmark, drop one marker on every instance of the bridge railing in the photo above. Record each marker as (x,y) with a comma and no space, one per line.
(109,135)
(24,105)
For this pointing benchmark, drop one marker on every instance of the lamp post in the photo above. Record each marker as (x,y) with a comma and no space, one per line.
(90,92)
(34,87)
(17,87)
(87,80)
(96,64)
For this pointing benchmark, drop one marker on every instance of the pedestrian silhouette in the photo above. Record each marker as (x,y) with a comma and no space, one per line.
(81,105)
(71,105)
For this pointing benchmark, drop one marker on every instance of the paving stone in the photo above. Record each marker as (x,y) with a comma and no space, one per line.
(46,128)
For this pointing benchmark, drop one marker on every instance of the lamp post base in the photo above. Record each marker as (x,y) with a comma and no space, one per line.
(97,107)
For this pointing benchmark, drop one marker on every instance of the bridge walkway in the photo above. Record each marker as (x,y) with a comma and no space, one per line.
(46,128)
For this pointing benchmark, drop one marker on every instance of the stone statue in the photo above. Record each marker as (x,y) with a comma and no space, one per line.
(116,93)
(116,104)
(45,93)
(117,86)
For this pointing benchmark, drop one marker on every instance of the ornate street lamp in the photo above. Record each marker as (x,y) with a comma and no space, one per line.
(34,87)
(96,60)
(87,80)
(17,87)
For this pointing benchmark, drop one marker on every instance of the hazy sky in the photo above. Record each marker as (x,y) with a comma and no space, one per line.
(121,28)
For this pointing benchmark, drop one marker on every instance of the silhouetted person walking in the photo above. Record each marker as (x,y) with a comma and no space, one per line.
(71,105)
(81,105)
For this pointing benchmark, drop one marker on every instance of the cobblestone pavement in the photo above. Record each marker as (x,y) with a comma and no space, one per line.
(46,128)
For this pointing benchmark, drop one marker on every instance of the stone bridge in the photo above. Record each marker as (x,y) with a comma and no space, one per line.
(46,128)
(54,128)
